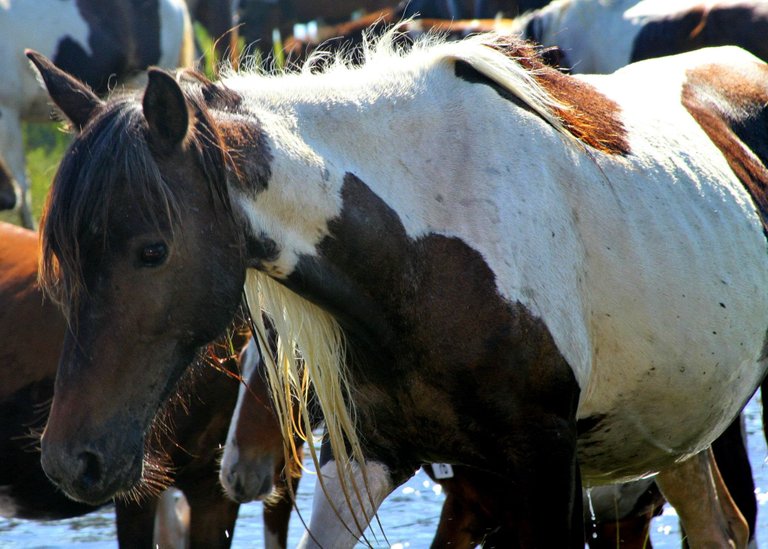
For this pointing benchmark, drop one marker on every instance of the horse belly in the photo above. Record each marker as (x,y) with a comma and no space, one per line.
(679,319)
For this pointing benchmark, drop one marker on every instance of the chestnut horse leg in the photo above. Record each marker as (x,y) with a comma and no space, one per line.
(709,515)
(733,463)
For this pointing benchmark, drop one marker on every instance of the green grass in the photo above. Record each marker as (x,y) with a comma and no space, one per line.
(44,146)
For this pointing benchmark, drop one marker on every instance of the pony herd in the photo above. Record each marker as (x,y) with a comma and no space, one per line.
(448,252)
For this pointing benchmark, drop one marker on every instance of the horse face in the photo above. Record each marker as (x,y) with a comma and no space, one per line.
(145,289)
(253,454)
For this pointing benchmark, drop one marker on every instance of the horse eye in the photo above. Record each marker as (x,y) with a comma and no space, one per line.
(154,254)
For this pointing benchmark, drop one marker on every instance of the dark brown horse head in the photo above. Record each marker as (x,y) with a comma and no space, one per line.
(137,224)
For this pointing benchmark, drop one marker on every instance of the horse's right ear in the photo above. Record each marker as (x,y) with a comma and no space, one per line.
(75,99)
(166,110)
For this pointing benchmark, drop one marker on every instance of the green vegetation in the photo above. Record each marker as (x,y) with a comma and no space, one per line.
(44,146)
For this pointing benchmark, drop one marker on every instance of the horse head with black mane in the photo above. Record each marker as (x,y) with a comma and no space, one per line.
(470,257)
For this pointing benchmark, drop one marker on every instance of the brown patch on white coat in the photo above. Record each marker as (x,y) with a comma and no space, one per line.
(731,106)
(587,114)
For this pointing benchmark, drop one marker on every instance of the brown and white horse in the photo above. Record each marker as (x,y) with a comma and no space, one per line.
(103,42)
(561,283)
(32,331)
(600,37)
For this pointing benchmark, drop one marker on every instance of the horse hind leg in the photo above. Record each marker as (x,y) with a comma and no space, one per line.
(709,515)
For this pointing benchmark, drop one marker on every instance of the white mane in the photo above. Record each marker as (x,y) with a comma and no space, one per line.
(386,64)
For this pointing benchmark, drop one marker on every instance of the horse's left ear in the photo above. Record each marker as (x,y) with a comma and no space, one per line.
(166,110)
(75,99)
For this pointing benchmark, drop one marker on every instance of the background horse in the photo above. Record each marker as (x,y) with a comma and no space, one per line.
(219,20)
(253,465)
(103,42)
(335,21)
(32,331)
(536,304)
(600,37)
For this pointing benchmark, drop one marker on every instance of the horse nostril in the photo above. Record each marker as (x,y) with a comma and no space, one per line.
(91,471)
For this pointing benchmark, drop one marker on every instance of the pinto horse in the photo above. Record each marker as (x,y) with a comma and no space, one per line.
(560,284)
(102,42)
(33,330)
(600,37)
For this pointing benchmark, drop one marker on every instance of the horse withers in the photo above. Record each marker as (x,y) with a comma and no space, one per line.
(561,283)
(32,330)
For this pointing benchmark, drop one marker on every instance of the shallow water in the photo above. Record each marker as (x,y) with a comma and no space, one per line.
(409,516)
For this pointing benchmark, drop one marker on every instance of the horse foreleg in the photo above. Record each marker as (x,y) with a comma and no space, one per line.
(212,515)
(339,516)
(696,490)
(135,522)
(278,507)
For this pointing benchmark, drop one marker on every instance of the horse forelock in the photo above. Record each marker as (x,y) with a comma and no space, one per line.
(110,160)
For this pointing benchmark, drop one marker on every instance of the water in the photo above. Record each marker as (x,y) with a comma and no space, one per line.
(409,516)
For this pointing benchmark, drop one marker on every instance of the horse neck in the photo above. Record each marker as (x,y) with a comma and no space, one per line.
(317,143)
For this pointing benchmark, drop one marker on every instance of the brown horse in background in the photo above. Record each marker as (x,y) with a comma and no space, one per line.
(32,331)
(259,19)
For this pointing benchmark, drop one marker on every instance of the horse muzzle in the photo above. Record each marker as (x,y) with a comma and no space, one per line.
(91,472)
(244,482)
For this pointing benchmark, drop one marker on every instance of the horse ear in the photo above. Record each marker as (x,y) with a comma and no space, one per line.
(166,110)
(75,99)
